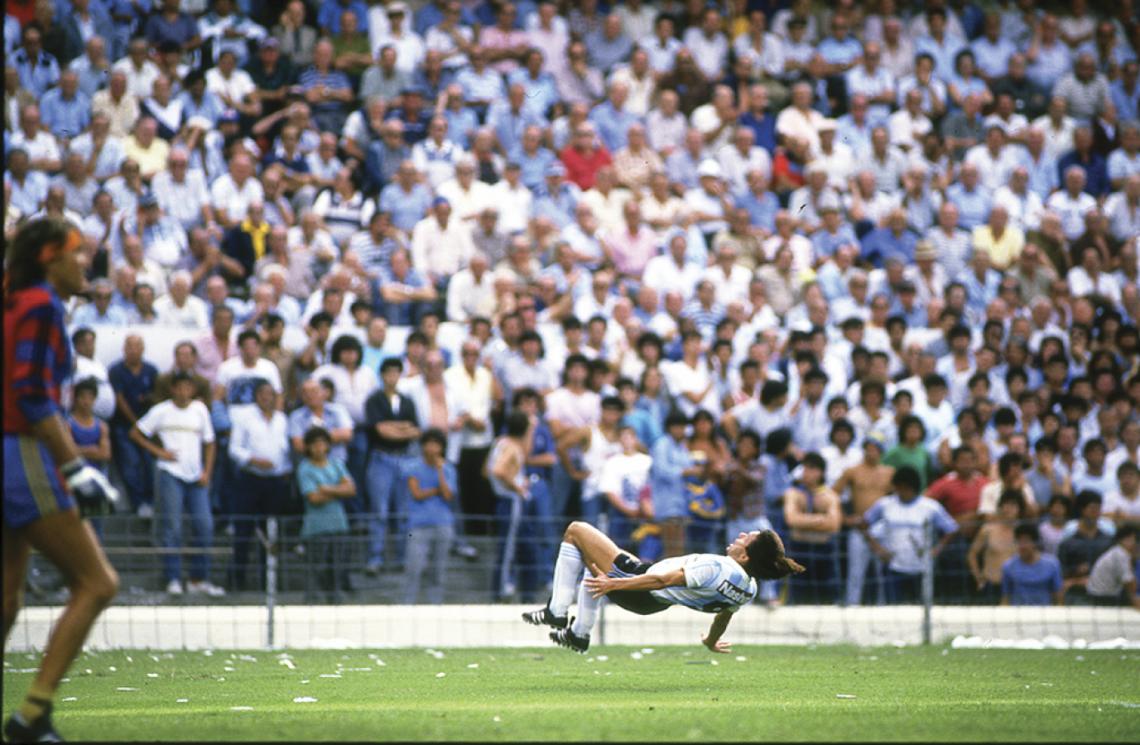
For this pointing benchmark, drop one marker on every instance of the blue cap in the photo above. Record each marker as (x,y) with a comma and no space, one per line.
(440,200)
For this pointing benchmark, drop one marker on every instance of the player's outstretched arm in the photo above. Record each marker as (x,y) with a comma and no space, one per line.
(716,631)
(600,584)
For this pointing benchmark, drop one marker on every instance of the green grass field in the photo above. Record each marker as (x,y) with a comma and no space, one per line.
(615,693)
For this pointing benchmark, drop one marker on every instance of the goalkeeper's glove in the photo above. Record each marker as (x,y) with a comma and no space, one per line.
(88,484)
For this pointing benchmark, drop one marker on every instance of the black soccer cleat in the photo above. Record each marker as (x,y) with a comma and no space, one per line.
(41,730)
(570,640)
(543,617)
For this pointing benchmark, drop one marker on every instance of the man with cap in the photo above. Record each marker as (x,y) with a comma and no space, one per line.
(868,481)
(412,114)
(272,73)
(557,199)
(410,48)
(709,203)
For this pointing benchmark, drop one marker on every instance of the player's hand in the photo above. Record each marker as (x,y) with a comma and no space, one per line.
(720,647)
(600,583)
(88,483)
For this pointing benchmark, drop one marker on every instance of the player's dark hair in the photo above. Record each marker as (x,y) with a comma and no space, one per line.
(23,265)
(767,560)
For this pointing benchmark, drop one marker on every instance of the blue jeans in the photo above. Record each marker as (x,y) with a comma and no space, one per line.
(358,468)
(221,493)
(858,557)
(387,495)
(549,527)
(562,489)
(175,497)
(516,558)
(136,467)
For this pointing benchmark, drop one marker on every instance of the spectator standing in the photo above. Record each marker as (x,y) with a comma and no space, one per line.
(324,484)
(432,486)
(812,513)
(259,450)
(392,432)
(185,459)
(1112,580)
(1031,577)
(133,380)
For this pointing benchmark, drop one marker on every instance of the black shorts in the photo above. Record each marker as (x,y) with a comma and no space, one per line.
(640,602)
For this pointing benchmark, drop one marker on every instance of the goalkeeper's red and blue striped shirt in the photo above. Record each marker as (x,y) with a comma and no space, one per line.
(37,356)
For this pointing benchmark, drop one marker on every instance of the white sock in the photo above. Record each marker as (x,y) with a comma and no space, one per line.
(567,572)
(587,616)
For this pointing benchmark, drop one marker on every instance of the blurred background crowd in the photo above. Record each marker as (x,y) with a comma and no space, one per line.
(837,268)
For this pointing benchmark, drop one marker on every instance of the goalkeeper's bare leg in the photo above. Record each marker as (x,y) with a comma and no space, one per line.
(70,544)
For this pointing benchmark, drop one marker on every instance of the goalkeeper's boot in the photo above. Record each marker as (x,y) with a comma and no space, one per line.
(567,638)
(40,730)
(543,617)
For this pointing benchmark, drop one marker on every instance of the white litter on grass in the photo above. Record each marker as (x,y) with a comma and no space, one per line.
(647,650)
(220,680)
(435,653)
(636,655)
(473,666)
(1125,704)
(713,662)
(241,708)
(125,689)
(440,675)
(229,669)
(247,658)
(304,700)
(1047,642)
(87,671)
(182,701)
(845,695)
(359,669)
(152,675)
(741,658)
(330,675)
(304,682)
(208,652)
(113,669)
(287,663)
(130,659)
(496,719)
(70,698)
(601,658)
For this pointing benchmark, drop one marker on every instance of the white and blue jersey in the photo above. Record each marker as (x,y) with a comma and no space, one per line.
(713,583)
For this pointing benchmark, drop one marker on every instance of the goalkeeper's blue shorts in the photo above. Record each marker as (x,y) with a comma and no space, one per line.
(33,486)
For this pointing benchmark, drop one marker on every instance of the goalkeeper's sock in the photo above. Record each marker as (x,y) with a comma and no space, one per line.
(588,606)
(567,572)
(36,703)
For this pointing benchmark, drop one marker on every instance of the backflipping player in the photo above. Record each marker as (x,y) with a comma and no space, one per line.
(43,264)
(709,583)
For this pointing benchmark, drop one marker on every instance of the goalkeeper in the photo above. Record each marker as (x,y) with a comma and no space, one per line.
(44,475)
(710,583)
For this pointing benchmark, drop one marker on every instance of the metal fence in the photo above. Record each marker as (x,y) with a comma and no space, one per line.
(279,580)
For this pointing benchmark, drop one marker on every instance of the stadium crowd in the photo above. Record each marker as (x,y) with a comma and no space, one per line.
(834,268)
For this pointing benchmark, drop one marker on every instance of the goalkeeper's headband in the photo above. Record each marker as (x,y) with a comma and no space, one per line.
(51,251)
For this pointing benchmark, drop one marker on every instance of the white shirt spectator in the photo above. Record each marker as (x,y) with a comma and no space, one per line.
(352,389)
(183,431)
(1071,211)
(86,367)
(237,86)
(182,200)
(140,81)
(663,274)
(710,54)
(1024,210)
(1080,283)
(42,146)
(905,130)
(466,202)
(736,167)
(442,251)
(226,194)
(192,314)
(993,171)
(514,205)
(256,436)
(467,297)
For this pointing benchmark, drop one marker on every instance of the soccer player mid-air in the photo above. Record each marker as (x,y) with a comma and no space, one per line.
(709,583)
(44,264)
